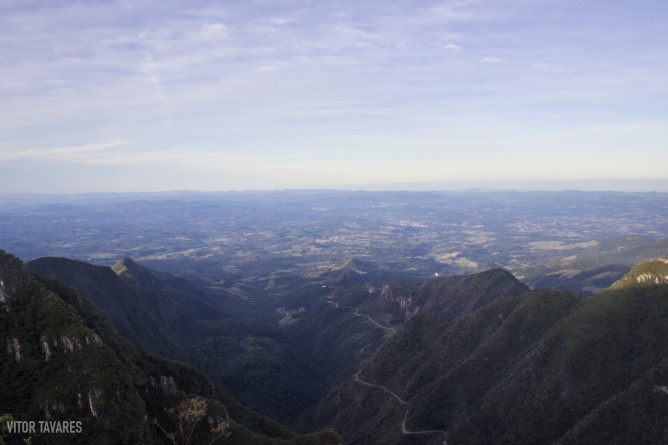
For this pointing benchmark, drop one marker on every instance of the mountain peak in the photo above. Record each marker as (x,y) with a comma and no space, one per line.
(125,265)
(353,271)
(449,298)
(353,264)
(130,270)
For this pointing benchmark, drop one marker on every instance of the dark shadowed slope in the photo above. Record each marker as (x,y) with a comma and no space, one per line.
(253,361)
(65,362)
(447,299)
(137,317)
(545,367)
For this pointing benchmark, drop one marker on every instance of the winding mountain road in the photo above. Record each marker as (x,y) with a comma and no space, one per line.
(393,394)
(358,314)
(390,392)
(403,402)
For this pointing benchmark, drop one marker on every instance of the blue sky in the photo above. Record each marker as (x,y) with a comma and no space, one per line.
(272,94)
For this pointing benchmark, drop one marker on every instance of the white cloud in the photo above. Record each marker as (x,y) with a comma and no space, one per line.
(209,33)
(452,47)
(62,153)
(459,10)
(490,60)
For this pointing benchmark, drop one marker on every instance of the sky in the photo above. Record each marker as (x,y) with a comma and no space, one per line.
(114,96)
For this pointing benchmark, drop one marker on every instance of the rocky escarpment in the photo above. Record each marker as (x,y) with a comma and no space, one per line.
(648,273)
(402,298)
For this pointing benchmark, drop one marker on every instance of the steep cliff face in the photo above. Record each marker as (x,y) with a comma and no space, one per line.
(402,298)
(59,366)
(646,274)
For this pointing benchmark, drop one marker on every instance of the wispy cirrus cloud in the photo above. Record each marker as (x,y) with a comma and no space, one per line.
(77,153)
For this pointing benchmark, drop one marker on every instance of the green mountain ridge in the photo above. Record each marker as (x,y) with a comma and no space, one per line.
(143,323)
(446,298)
(646,274)
(65,362)
(450,298)
(253,361)
(546,367)
(443,297)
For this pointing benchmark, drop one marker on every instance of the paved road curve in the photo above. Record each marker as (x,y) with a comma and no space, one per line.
(403,402)
(357,314)
(390,392)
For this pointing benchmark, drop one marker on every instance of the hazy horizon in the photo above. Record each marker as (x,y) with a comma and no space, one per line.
(603,186)
(121,97)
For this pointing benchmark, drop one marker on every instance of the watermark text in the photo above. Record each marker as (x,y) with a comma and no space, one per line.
(44,427)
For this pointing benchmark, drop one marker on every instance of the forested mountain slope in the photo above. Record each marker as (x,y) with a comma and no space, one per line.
(541,368)
(65,362)
(253,361)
